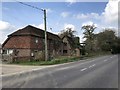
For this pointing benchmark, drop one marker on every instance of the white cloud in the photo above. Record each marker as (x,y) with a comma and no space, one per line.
(71,1)
(95,15)
(5,29)
(88,16)
(65,14)
(4,25)
(89,23)
(69,26)
(49,10)
(111,12)
(41,26)
(81,16)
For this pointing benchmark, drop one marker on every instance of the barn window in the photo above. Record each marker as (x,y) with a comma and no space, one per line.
(4,51)
(36,40)
(65,44)
(32,54)
(10,51)
(64,51)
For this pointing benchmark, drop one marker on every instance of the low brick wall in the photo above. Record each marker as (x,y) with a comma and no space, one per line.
(9,58)
(6,58)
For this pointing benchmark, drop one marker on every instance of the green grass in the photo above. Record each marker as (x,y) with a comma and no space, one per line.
(50,62)
(62,59)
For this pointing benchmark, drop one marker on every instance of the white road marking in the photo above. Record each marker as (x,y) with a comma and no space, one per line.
(83,69)
(64,68)
(21,72)
(37,69)
(17,73)
(105,60)
(92,66)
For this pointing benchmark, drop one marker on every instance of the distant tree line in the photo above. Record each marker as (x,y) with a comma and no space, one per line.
(103,41)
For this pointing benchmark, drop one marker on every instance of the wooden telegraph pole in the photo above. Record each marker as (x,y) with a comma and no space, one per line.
(45,26)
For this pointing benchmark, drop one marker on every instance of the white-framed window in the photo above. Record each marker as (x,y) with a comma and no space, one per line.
(10,51)
(7,51)
(36,40)
(32,54)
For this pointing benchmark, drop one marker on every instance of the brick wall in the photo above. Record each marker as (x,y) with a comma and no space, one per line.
(18,42)
(24,52)
(67,47)
(36,42)
(25,45)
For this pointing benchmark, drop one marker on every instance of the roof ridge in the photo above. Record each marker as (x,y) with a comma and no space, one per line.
(31,30)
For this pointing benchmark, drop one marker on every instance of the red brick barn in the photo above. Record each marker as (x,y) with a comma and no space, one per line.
(28,44)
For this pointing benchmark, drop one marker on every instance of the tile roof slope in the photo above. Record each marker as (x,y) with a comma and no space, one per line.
(30,30)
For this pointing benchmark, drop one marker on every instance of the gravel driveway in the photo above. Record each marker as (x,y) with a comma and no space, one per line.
(6,69)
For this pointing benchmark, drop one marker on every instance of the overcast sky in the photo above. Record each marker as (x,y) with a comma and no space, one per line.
(60,15)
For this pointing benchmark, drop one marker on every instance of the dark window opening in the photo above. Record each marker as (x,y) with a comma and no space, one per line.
(64,51)
(65,44)
(4,51)
(59,50)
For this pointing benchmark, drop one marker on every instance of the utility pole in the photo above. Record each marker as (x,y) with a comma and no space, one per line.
(46,48)
(45,26)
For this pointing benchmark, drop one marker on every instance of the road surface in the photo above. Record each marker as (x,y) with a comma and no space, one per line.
(101,72)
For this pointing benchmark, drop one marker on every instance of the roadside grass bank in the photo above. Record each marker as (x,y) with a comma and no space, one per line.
(96,54)
(62,59)
(59,60)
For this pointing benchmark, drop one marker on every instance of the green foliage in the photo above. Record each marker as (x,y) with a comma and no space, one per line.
(73,39)
(89,35)
(115,47)
(68,32)
(61,60)
(105,40)
(50,62)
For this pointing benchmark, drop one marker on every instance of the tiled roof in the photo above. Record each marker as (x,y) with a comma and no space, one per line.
(30,30)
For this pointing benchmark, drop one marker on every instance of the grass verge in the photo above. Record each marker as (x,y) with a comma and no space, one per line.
(59,60)
(62,59)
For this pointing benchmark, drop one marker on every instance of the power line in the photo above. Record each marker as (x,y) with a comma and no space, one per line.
(29,5)
(44,10)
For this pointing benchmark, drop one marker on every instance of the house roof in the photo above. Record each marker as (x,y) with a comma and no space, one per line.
(72,42)
(30,30)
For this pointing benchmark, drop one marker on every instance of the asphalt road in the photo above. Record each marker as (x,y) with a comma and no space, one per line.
(99,72)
